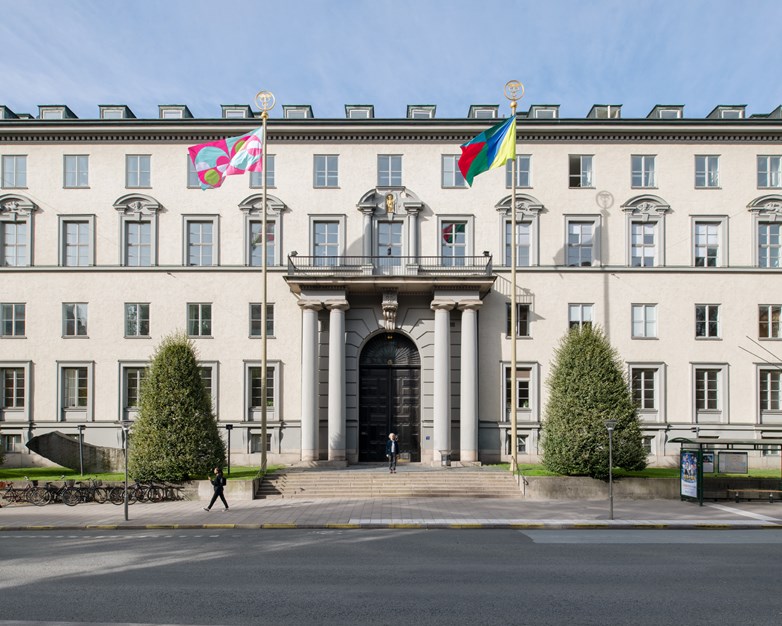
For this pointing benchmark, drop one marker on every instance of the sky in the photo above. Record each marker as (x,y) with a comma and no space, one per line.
(390,53)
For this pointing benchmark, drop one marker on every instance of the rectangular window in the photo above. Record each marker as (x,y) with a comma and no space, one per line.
(643,244)
(707,244)
(769,391)
(452,176)
(192,175)
(207,377)
(648,444)
(256,442)
(707,389)
(75,389)
(14,172)
(644,321)
(453,243)
(770,171)
(256,321)
(770,321)
(389,170)
(136,319)
(326,171)
(11,443)
(523,171)
(76,171)
(325,238)
(13,380)
(580,170)
(200,243)
(769,244)
(523,244)
(74,320)
(389,244)
(134,377)
(707,321)
(138,244)
(579,315)
(14,237)
(523,390)
(256,178)
(643,171)
(12,319)
(77,244)
(256,390)
(256,243)
(522,319)
(137,171)
(580,244)
(643,383)
(199,320)
(707,173)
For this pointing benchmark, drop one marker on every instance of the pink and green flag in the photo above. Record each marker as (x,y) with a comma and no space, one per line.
(215,160)
(492,148)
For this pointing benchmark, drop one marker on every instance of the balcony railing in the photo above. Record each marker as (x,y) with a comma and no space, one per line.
(389,266)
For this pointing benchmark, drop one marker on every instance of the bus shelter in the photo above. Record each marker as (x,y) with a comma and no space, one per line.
(703,460)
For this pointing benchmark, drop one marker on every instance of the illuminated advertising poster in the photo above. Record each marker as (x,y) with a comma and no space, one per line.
(689,474)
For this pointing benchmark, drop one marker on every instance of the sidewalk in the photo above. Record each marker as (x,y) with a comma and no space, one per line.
(416,513)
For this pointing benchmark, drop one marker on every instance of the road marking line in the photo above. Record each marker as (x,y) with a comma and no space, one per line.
(759,516)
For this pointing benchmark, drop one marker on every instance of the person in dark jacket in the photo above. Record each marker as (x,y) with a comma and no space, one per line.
(218,482)
(392,452)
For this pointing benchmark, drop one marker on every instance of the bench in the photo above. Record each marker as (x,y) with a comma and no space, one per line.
(759,494)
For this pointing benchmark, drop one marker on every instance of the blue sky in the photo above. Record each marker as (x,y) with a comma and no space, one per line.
(390,53)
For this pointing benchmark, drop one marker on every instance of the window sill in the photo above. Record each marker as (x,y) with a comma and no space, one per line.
(701,188)
(200,336)
(75,336)
(138,337)
(708,338)
(13,336)
(639,338)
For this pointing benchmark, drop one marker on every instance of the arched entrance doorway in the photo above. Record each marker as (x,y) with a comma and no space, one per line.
(389,397)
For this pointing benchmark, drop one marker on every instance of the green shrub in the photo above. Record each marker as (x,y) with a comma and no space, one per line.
(175,436)
(587,387)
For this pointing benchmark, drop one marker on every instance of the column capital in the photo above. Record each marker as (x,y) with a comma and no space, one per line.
(442,305)
(339,305)
(470,305)
(310,305)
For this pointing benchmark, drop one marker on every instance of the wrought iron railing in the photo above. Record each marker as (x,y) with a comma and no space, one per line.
(389,265)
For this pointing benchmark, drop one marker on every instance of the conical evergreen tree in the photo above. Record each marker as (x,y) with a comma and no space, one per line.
(587,387)
(175,436)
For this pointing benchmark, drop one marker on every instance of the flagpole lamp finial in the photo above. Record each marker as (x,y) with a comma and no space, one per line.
(514,91)
(264,100)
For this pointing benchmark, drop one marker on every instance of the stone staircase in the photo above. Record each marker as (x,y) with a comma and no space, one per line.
(373,482)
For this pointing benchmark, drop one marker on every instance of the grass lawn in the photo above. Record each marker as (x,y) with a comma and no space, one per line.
(55,473)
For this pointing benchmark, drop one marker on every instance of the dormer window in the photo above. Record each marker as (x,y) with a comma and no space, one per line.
(548,112)
(238,112)
(605,112)
(359,111)
(666,112)
(670,114)
(171,114)
(174,112)
(728,112)
(55,112)
(297,112)
(483,112)
(731,114)
(421,111)
(114,112)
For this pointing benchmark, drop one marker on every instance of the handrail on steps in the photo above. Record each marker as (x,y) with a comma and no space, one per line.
(521,480)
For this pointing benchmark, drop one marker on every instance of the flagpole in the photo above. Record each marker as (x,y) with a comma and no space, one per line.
(514,91)
(265,102)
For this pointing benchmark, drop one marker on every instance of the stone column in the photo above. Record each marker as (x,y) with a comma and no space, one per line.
(412,225)
(442,379)
(309,380)
(366,240)
(469,382)
(336,398)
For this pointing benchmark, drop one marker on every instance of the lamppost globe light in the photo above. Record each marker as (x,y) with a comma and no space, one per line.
(610,424)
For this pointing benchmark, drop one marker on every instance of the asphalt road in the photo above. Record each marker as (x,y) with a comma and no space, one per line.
(391,577)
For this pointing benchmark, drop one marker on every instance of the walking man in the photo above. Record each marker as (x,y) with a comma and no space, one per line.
(218,482)
(392,452)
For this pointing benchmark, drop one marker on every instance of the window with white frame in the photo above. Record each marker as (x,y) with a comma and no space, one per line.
(580,171)
(770,321)
(256,243)
(136,319)
(707,236)
(389,170)
(581,243)
(770,401)
(326,168)
(769,450)
(15,243)
(192,175)
(451,175)
(74,319)
(707,321)
(14,175)
(138,170)
(201,242)
(523,244)
(643,382)
(199,319)
(12,319)
(256,321)
(769,244)
(256,442)
(14,389)
(389,243)
(132,378)
(647,441)
(11,443)
(75,391)
(526,397)
(707,171)
(326,242)
(522,319)
(76,171)
(138,243)
(644,321)
(523,171)
(256,178)
(580,315)
(643,244)
(254,387)
(643,171)
(208,372)
(710,386)
(453,242)
(76,242)
(769,171)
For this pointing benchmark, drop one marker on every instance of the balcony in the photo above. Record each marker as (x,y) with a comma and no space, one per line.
(362,266)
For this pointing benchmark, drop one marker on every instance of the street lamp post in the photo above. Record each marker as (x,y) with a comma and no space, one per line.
(610,425)
(229,428)
(81,449)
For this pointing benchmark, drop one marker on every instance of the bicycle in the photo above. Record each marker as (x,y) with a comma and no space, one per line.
(91,491)
(31,493)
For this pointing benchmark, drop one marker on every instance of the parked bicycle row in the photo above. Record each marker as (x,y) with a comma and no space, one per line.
(72,492)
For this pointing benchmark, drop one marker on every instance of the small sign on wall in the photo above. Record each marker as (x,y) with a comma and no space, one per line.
(733,463)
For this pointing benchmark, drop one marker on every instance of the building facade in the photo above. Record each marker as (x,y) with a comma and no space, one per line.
(388,278)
